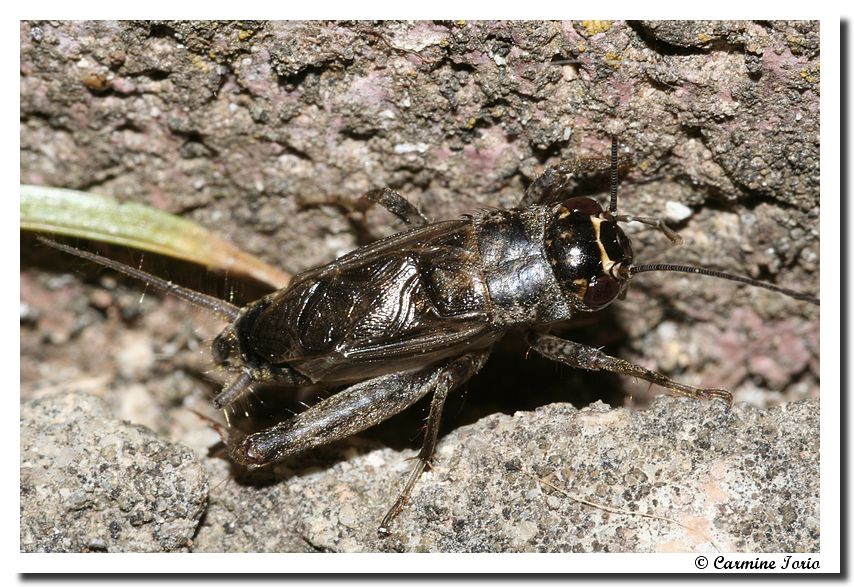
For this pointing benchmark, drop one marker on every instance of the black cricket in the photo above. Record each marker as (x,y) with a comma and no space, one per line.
(417,313)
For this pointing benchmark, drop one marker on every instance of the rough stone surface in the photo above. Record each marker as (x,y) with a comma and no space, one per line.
(90,483)
(743,481)
(268,132)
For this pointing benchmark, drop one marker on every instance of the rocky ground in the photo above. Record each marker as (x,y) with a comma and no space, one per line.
(268,132)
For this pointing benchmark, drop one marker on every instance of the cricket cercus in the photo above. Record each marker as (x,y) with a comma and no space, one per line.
(416,313)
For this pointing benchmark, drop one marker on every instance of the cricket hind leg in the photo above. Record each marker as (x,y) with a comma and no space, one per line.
(336,417)
(356,408)
(592,359)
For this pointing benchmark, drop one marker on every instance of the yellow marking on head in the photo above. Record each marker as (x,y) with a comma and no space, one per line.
(607,263)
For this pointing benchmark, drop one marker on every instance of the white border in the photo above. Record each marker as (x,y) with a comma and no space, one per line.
(449,563)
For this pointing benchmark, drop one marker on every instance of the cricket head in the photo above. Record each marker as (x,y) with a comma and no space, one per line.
(589,252)
(593,259)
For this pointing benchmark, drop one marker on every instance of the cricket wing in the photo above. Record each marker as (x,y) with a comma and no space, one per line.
(404,302)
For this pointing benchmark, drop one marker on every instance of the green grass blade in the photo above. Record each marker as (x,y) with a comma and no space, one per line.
(84,215)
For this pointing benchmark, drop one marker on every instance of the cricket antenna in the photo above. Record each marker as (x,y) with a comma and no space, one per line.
(612,207)
(635,269)
(220,308)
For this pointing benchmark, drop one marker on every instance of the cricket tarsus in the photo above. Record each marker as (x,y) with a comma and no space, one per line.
(454,375)
(416,313)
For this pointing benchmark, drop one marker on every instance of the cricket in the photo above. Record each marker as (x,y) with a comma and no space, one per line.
(415,314)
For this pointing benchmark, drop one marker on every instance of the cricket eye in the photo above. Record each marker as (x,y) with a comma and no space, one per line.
(582,205)
(602,290)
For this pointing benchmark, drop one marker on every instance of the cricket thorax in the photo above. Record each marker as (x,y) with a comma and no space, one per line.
(522,287)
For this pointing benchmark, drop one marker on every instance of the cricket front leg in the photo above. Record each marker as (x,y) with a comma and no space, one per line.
(592,359)
(553,184)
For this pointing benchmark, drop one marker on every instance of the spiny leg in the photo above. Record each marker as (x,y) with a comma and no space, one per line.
(339,416)
(592,359)
(551,186)
(241,383)
(453,375)
(397,205)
